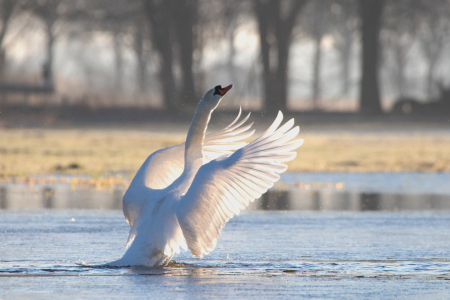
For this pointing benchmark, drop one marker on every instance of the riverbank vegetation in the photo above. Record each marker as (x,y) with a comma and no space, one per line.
(100,152)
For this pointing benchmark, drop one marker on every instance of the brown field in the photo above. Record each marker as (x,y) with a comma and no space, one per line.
(100,152)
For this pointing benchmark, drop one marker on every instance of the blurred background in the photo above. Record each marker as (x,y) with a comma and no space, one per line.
(90,88)
(368,56)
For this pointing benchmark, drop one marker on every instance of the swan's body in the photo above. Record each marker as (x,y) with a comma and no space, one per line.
(183,195)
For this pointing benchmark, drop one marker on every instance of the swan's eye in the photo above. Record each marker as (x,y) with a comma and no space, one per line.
(217,90)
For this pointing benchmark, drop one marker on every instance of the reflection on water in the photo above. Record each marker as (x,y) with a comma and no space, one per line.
(20,196)
(3,198)
(332,200)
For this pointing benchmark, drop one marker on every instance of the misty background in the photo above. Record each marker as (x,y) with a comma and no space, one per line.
(329,55)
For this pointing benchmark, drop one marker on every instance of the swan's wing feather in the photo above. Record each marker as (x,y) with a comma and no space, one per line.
(166,165)
(225,186)
(227,140)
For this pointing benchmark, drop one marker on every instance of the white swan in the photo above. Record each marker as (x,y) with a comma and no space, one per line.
(184,201)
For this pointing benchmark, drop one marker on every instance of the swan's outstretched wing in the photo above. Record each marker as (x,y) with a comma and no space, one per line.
(166,165)
(225,186)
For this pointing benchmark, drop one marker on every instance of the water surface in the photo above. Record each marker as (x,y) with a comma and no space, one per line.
(309,191)
(315,236)
(310,254)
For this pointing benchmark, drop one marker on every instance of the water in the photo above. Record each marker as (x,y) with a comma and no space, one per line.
(310,254)
(354,249)
(318,191)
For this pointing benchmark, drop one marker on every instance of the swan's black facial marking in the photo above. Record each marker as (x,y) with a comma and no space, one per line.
(217,90)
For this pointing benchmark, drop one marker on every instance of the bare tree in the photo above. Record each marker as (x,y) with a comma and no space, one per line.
(47,11)
(217,22)
(433,34)
(172,23)
(139,48)
(276,19)
(121,19)
(316,19)
(345,20)
(400,24)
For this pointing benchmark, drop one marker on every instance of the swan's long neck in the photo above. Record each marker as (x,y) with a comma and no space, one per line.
(193,155)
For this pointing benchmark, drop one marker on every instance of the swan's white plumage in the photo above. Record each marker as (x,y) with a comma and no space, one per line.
(164,166)
(225,186)
(182,196)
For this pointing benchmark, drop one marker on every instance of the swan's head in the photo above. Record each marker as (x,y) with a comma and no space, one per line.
(213,96)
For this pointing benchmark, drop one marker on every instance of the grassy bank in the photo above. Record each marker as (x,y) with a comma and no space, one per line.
(102,152)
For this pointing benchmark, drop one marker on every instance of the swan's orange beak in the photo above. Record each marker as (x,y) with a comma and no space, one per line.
(224,90)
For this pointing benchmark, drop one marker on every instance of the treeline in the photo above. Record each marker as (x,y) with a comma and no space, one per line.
(170,42)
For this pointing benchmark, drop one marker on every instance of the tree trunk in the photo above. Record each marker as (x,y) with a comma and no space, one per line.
(47,68)
(430,78)
(118,66)
(316,73)
(263,26)
(141,64)
(431,50)
(345,71)
(281,82)
(231,53)
(184,19)
(345,53)
(167,80)
(400,74)
(168,18)
(370,11)
(158,13)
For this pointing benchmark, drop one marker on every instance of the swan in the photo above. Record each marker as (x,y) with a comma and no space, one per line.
(183,195)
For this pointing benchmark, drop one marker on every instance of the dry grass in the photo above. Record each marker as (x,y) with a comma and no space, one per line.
(92,152)
(99,152)
(373,153)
